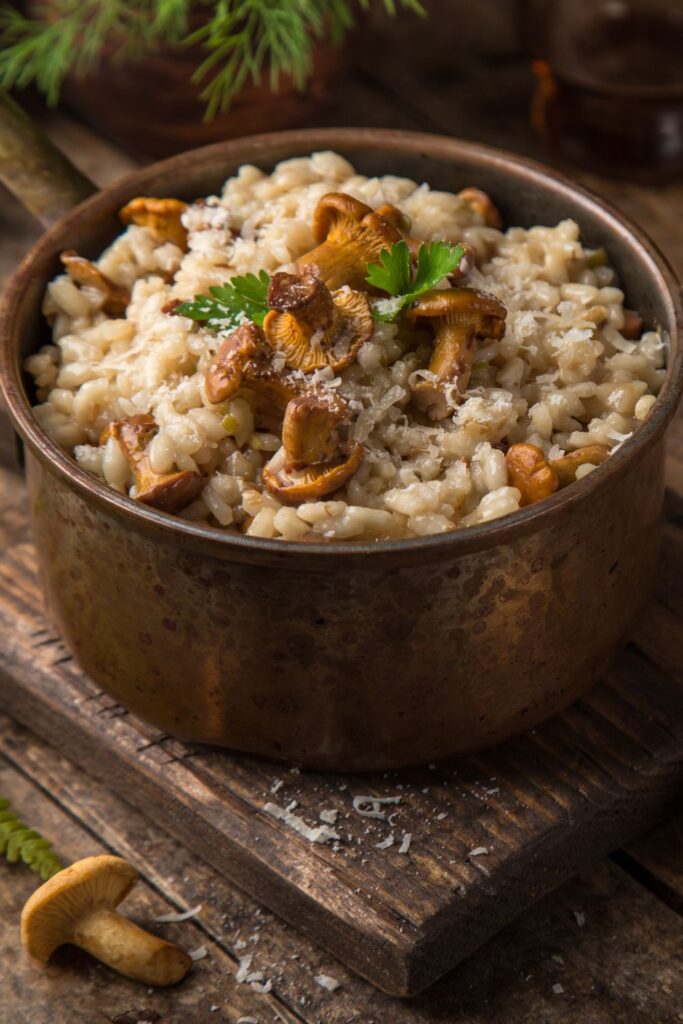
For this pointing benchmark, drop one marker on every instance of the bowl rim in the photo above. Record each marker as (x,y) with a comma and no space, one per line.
(453,543)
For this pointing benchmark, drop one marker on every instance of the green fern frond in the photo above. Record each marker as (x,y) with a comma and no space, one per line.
(19,843)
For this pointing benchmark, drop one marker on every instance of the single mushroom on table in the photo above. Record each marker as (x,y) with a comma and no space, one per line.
(312,326)
(85,274)
(350,235)
(168,492)
(161,216)
(315,459)
(537,477)
(78,906)
(459,317)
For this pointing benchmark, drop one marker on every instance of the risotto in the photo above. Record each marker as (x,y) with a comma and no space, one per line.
(333,395)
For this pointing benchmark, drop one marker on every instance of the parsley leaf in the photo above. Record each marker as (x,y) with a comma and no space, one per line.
(231,304)
(393,274)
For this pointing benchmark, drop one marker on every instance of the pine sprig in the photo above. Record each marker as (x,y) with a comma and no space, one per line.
(243,38)
(20,843)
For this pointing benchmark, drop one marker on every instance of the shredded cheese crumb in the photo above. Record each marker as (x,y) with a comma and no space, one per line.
(185,916)
(199,953)
(263,988)
(405,842)
(479,851)
(327,982)
(371,806)
(243,968)
(329,816)
(321,834)
(386,843)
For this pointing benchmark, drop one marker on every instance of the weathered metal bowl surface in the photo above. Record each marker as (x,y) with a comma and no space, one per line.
(349,656)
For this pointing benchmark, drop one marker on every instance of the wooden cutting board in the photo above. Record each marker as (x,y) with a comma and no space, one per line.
(459,849)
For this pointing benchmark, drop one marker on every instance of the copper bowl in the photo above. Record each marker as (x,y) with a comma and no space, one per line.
(348,656)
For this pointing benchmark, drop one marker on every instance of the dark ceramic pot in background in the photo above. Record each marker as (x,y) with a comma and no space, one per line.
(359,655)
(152,108)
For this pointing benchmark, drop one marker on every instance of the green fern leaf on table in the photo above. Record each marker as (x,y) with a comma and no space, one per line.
(20,843)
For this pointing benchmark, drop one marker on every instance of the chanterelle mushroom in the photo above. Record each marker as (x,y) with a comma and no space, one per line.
(168,492)
(86,275)
(458,317)
(314,460)
(529,472)
(244,360)
(565,466)
(536,477)
(162,216)
(78,906)
(312,326)
(350,235)
(481,204)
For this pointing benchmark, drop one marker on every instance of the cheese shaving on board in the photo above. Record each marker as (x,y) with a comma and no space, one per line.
(319,834)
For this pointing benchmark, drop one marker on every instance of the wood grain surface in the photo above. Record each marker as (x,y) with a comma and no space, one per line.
(606,946)
(612,947)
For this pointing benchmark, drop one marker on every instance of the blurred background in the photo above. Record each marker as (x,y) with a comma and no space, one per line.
(599,80)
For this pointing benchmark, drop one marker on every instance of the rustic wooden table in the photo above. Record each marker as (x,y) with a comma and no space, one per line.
(605,948)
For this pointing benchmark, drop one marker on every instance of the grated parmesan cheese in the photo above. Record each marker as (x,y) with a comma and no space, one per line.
(263,988)
(327,982)
(199,953)
(321,834)
(243,968)
(386,843)
(405,842)
(184,916)
(371,806)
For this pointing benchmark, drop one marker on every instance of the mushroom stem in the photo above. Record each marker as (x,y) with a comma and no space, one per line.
(453,353)
(168,492)
(128,949)
(350,235)
(458,317)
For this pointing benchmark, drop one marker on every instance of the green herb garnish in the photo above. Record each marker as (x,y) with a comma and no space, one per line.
(17,842)
(394,275)
(231,304)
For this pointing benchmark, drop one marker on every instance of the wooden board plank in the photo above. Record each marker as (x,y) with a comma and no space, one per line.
(656,860)
(540,806)
(610,945)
